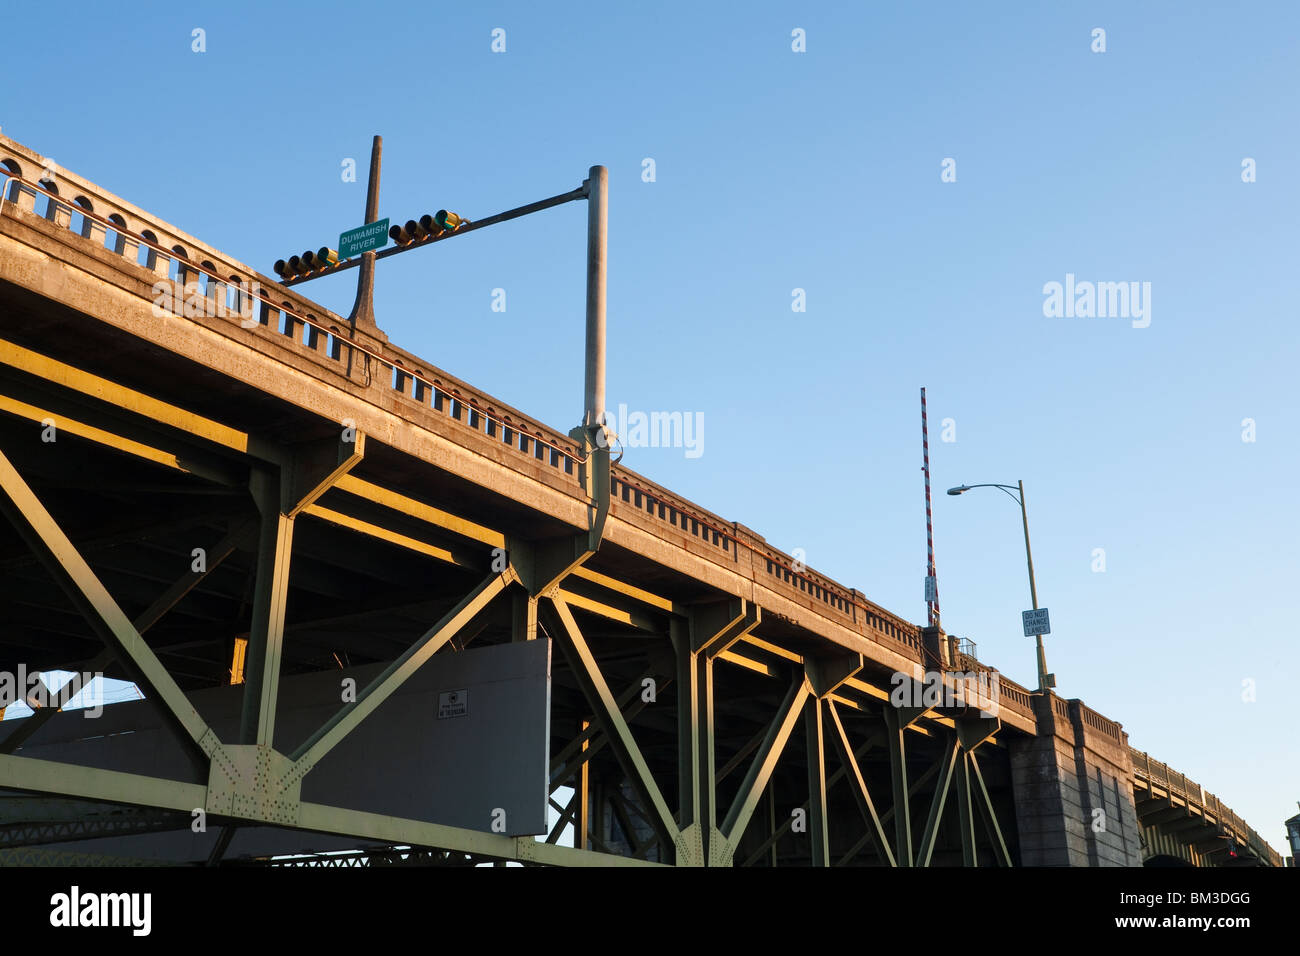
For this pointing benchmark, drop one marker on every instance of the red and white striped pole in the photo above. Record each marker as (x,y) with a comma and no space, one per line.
(932,602)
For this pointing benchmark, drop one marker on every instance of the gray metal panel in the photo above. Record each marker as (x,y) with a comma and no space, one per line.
(403,760)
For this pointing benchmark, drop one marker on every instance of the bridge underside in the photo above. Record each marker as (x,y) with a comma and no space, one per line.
(235,510)
(160,515)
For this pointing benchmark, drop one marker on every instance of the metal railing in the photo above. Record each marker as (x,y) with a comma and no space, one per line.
(1158,774)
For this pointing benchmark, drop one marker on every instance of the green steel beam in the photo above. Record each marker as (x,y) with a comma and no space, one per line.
(917,786)
(127,437)
(705,752)
(145,620)
(281,495)
(92,826)
(88,594)
(760,771)
(271,591)
(587,672)
(91,783)
(738,758)
(523,616)
(897,720)
(716,627)
(817,818)
(783,828)
(707,632)
(689,800)
(401,832)
(875,829)
(990,814)
(931,833)
(591,741)
(378,690)
(36,856)
(566,817)
(966,812)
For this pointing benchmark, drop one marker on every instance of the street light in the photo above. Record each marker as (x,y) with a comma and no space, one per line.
(1017,493)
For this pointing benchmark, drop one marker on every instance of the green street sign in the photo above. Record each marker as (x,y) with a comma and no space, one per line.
(363,239)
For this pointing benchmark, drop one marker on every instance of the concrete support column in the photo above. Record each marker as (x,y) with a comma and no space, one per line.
(1073,792)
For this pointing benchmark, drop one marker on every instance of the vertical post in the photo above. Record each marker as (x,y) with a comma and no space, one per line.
(582,822)
(896,729)
(597,223)
(523,616)
(363,310)
(817,834)
(596,470)
(266,633)
(707,759)
(932,600)
(688,726)
(1033,589)
(966,810)
(695,744)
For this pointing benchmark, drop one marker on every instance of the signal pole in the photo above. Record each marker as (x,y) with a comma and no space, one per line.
(363,310)
(597,224)
(592,434)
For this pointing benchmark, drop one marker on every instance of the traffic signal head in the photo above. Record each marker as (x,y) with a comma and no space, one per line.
(404,235)
(306,263)
(426,227)
(447,220)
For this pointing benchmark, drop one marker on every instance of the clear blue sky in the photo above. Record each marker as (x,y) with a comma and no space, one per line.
(820,170)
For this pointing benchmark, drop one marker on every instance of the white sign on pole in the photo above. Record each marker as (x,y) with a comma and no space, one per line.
(1036,622)
(931,591)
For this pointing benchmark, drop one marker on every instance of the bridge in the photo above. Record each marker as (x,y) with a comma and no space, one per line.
(339,574)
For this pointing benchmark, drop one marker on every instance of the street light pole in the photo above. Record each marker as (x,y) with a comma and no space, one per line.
(1044,678)
(1033,589)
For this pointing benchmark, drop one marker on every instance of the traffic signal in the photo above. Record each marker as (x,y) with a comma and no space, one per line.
(288,268)
(448,220)
(426,227)
(306,263)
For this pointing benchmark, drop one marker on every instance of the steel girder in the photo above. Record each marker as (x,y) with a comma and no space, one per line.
(262,795)
(288,484)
